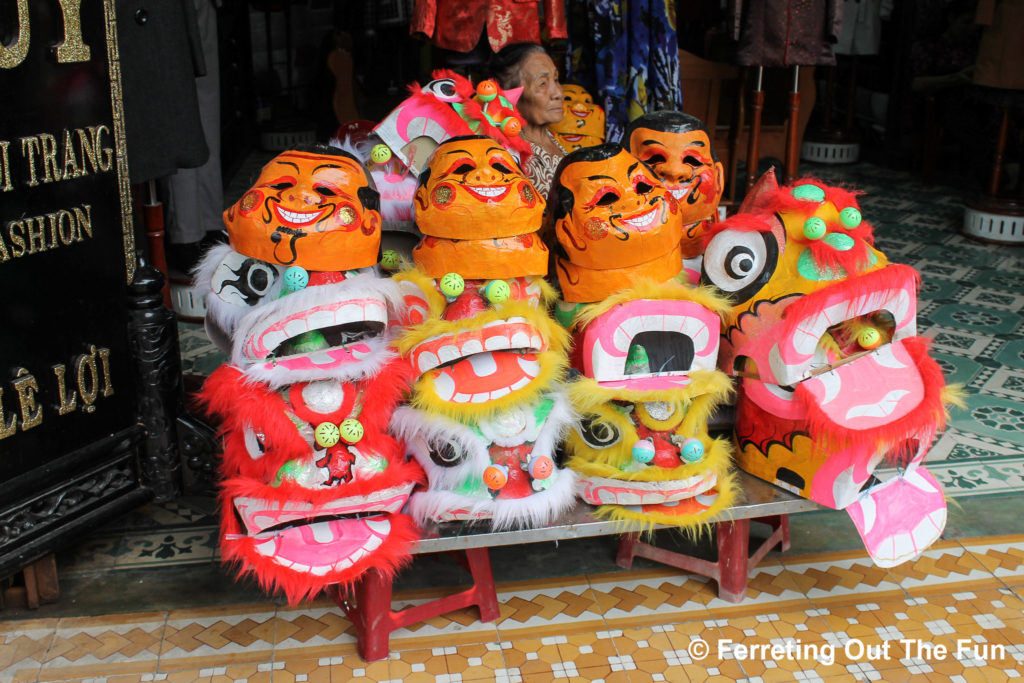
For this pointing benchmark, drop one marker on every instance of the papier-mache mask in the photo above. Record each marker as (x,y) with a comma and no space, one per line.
(677,146)
(322,314)
(835,379)
(450,106)
(479,214)
(583,122)
(487,410)
(470,181)
(615,222)
(304,503)
(647,389)
(317,209)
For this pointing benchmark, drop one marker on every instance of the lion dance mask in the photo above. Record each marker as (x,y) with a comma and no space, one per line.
(487,410)
(312,481)
(646,348)
(834,378)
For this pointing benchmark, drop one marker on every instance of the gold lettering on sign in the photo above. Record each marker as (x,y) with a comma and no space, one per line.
(85,364)
(41,233)
(7,427)
(31,412)
(29,146)
(72,49)
(108,390)
(14,54)
(67,403)
(5,167)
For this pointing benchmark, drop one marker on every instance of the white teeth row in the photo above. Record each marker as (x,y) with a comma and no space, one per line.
(373,311)
(444,385)
(487,190)
(298,217)
(642,221)
(694,328)
(897,302)
(680,192)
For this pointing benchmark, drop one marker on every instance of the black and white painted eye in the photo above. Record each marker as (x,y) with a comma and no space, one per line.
(443,89)
(254,443)
(243,281)
(448,454)
(598,433)
(740,262)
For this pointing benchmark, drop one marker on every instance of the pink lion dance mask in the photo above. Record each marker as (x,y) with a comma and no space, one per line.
(312,482)
(834,379)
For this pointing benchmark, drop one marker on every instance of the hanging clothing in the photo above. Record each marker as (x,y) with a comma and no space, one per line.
(1001,52)
(627,56)
(861,32)
(457,24)
(161,56)
(786,32)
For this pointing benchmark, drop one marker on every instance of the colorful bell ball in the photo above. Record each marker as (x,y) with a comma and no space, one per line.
(869,338)
(850,217)
(452,284)
(815,228)
(295,278)
(380,154)
(643,451)
(497,291)
(511,126)
(541,467)
(326,434)
(495,476)
(692,450)
(351,430)
(486,90)
(390,260)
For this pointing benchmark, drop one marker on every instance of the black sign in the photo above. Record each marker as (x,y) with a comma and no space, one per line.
(66,248)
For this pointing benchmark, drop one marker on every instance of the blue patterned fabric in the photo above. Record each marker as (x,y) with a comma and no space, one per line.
(627,55)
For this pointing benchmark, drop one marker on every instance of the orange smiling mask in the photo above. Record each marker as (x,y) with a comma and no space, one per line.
(583,122)
(315,209)
(613,213)
(474,188)
(678,148)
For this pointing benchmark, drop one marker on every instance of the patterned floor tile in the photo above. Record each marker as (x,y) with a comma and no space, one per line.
(169,546)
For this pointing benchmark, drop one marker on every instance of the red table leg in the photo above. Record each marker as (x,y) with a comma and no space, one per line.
(374,621)
(732,568)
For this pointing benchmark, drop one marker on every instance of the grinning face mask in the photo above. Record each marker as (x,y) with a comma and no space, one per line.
(312,483)
(583,122)
(684,161)
(471,181)
(834,378)
(615,222)
(647,388)
(487,410)
(308,209)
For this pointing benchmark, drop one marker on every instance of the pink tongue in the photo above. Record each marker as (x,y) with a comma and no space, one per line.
(323,543)
(872,391)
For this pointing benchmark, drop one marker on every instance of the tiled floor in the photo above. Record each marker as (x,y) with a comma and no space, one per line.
(829,616)
(146,599)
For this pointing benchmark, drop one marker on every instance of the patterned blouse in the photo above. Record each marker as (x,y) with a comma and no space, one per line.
(543,163)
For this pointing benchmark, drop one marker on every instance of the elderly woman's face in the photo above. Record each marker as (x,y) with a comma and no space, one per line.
(541,101)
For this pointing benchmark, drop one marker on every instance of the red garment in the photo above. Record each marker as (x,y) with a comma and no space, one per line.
(456,24)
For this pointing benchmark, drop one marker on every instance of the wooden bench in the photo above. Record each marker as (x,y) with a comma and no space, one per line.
(368,605)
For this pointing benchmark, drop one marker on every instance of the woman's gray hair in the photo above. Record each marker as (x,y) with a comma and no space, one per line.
(506,64)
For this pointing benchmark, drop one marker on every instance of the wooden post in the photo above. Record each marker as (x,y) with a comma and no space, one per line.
(792,130)
(754,143)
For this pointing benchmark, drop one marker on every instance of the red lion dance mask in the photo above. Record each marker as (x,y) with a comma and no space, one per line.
(312,482)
